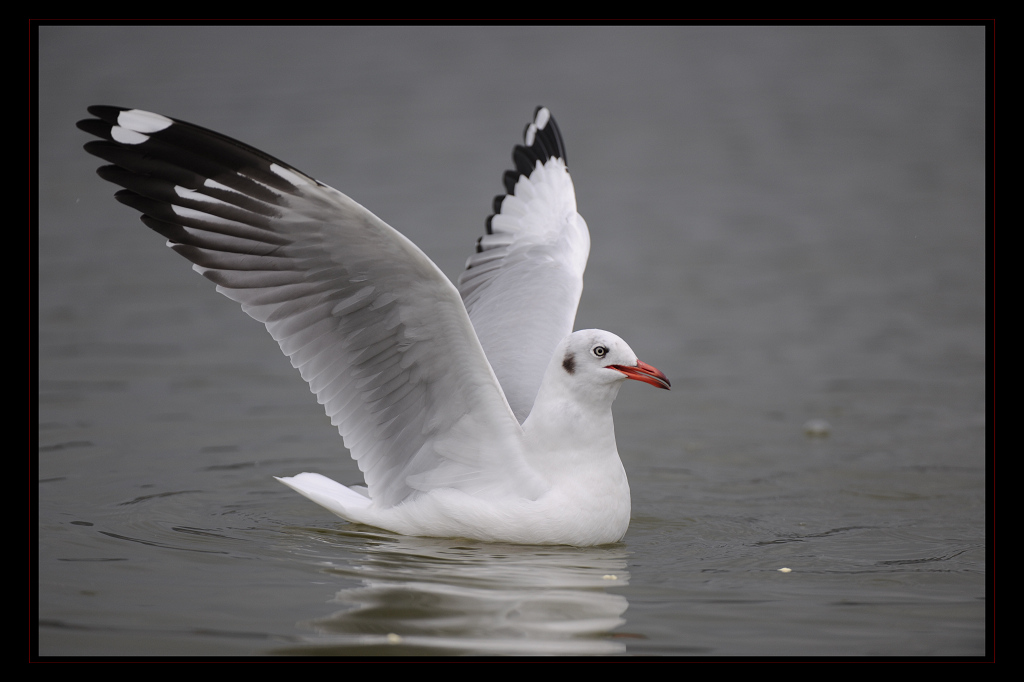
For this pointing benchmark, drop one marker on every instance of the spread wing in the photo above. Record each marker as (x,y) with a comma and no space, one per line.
(377,330)
(523,284)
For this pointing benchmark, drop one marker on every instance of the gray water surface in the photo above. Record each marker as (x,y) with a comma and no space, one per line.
(788,221)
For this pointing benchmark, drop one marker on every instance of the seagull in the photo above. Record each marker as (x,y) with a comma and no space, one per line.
(472,410)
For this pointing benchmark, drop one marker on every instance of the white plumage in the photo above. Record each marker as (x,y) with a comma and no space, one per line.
(472,412)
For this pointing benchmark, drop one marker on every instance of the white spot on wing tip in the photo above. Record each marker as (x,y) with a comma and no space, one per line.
(542,118)
(126,136)
(531,134)
(143,121)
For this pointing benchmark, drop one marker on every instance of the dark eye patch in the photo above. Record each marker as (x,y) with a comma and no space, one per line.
(569,363)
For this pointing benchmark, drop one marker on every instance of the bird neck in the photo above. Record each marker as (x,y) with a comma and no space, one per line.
(568,430)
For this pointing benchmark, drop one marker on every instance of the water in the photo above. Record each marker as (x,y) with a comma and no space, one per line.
(788,221)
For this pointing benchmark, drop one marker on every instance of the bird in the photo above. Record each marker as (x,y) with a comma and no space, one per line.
(472,408)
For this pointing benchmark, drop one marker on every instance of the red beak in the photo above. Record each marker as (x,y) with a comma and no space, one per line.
(645,373)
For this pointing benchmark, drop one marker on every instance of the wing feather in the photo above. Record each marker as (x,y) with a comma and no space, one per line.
(523,284)
(378,331)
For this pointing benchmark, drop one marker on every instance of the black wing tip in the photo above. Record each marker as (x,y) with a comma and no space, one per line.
(509,179)
(546,139)
(542,141)
(106,112)
(105,119)
(148,143)
(93,127)
(107,116)
(496,203)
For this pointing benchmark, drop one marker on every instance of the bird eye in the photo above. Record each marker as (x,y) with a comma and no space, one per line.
(600,351)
